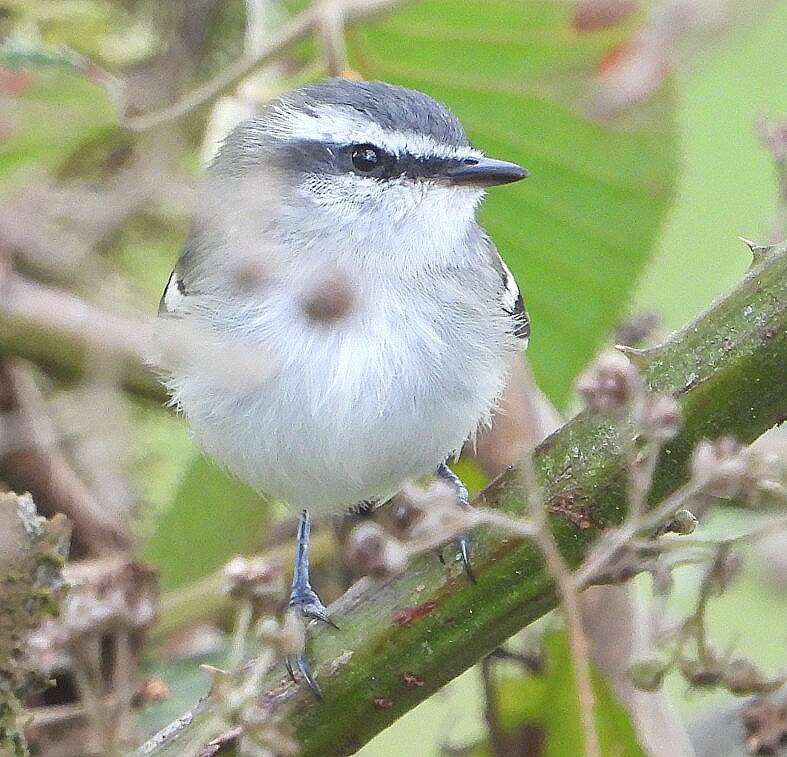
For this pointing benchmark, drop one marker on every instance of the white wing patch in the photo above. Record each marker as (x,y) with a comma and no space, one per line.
(514,305)
(511,290)
(174,295)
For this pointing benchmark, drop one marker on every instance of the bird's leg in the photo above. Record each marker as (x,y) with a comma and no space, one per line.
(463,500)
(304,597)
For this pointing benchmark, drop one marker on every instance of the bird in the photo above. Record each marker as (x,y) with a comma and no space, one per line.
(364,192)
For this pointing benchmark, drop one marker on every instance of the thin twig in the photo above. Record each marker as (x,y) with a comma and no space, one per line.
(32,460)
(599,561)
(497,737)
(295,30)
(331,28)
(171,732)
(569,603)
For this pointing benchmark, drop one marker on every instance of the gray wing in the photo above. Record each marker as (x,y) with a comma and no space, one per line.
(510,297)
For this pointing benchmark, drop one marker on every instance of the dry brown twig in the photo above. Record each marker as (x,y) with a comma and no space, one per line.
(31,460)
(297,28)
(569,605)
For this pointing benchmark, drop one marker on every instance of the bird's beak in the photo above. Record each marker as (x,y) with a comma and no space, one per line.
(484,172)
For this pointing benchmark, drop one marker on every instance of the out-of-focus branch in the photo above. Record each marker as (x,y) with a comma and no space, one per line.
(59,332)
(524,419)
(726,368)
(773,135)
(566,590)
(207,598)
(612,624)
(31,460)
(297,29)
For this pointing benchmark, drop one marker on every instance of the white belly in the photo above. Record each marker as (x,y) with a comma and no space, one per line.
(352,410)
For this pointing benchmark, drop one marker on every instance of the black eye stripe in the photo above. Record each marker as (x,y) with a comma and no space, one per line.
(366,158)
(335,158)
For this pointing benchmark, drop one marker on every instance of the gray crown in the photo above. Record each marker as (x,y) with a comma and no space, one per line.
(391,107)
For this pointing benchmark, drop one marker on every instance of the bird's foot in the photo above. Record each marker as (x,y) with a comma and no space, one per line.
(463,543)
(463,547)
(301,664)
(305,599)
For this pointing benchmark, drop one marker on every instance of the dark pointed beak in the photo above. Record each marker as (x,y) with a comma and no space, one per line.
(484,172)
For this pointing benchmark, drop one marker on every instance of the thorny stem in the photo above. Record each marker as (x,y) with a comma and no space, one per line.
(726,370)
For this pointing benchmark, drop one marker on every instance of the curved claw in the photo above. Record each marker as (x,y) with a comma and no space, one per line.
(463,500)
(464,552)
(305,670)
(316,610)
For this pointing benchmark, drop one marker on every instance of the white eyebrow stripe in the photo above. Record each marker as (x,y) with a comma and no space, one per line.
(345,126)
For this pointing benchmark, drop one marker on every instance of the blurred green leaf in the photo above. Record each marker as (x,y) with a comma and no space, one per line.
(579,231)
(212,518)
(52,102)
(548,703)
(187,683)
(560,714)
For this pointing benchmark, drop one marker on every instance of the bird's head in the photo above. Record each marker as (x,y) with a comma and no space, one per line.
(367,159)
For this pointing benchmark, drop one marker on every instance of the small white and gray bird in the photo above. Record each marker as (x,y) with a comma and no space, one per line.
(377,184)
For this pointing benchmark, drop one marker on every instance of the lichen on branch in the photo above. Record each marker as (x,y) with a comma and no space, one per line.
(32,551)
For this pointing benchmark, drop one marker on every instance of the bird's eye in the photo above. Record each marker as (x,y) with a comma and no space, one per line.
(366,158)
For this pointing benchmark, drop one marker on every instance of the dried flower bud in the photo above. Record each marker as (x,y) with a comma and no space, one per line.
(742,677)
(610,384)
(767,473)
(254,579)
(720,467)
(725,570)
(765,721)
(286,638)
(592,15)
(659,418)
(418,512)
(151,691)
(682,523)
(701,674)
(404,514)
(373,552)
(331,300)
(648,674)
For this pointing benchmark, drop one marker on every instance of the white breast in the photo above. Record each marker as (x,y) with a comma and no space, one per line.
(355,408)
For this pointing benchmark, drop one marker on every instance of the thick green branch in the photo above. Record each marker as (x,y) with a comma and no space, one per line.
(427,626)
